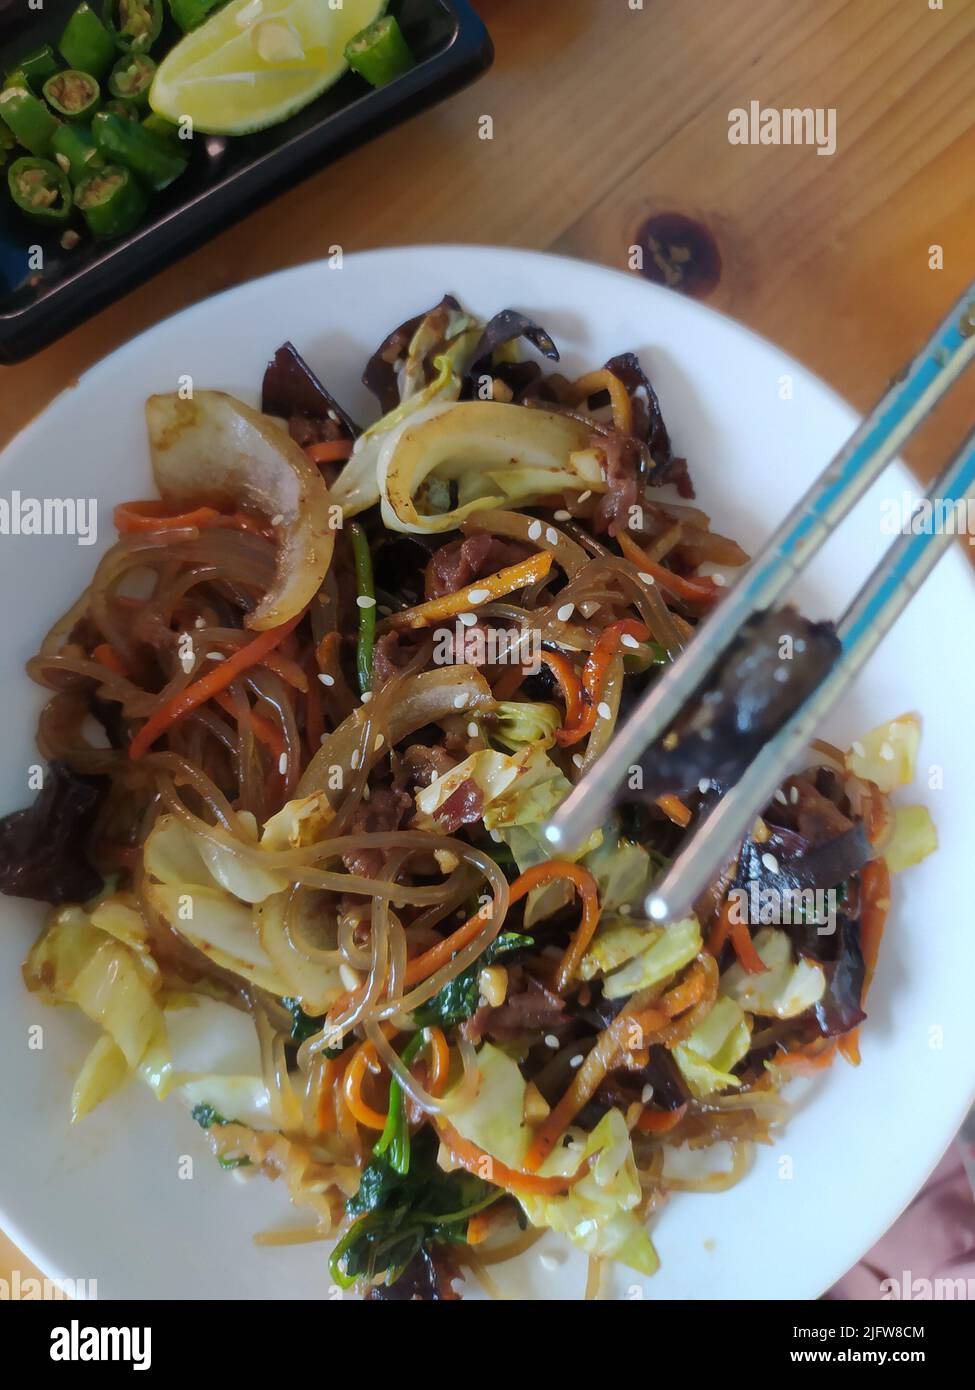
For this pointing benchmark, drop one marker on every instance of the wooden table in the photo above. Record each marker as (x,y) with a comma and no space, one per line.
(605,115)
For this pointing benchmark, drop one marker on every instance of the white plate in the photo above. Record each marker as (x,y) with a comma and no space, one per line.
(105,1200)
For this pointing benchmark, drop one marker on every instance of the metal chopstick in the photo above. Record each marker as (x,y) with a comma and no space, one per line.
(890,587)
(862,459)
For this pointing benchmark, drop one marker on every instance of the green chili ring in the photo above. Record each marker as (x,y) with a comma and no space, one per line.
(40,190)
(134,25)
(86,44)
(111,202)
(73,95)
(131,78)
(29,120)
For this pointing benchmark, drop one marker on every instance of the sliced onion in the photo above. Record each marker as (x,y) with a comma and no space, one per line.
(214,449)
(466,442)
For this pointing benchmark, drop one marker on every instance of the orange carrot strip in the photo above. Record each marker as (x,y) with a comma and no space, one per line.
(325,1109)
(106,655)
(268,734)
(130,517)
(720,931)
(674,809)
(330,451)
(684,996)
(479,1226)
(468,1156)
(697,590)
(604,380)
(594,676)
(874,906)
(744,946)
(801,1061)
(569,684)
(204,689)
(472,595)
(422,966)
(661,1121)
(440,1060)
(364,1059)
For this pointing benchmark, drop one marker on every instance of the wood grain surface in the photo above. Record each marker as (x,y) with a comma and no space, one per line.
(607,113)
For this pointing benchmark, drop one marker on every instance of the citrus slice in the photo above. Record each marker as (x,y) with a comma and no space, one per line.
(256,62)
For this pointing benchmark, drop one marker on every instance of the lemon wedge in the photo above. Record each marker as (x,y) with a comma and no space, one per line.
(256,62)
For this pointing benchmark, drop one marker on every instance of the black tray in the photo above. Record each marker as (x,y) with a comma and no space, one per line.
(226,178)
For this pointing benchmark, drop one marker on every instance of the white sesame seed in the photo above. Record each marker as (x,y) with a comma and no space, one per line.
(603,710)
(548,1263)
(887,753)
(551,535)
(781,675)
(535,531)
(277,520)
(585,496)
(380,740)
(704,785)
(467,619)
(354,760)
(562,515)
(858,748)
(200,622)
(283,764)
(366,696)
(719,581)
(781,797)
(566,612)
(646,1095)
(460,701)
(366,601)
(794,795)
(577,759)
(478,595)
(577,1060)
(324,738)
(627,641)
(551,1041)
(647,578)
(325,678)
(215,656)
(624,909)
(771,863)
(497,837)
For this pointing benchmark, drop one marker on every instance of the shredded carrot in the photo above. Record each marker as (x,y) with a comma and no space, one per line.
(674,809)
(468,1156)
(604,380)
(204,689)
(107,656)
(130,517)
(569,684)
(689,992)
(363,1060)
(325,1109)
(594,676)
(697,590)
(263,729)
(744,946)
(440,1060)
(720,931)
(801,1060)
(331,451)
(479,591)
(422,966)
(479,1226)
(660,1121)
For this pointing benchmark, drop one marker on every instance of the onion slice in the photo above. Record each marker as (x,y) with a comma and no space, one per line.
(215,449)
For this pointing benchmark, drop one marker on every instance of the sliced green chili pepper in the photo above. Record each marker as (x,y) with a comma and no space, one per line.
(379,53)
(40,189)
(163,130)
(131,78)
(129,143)
(126,109)
(396,1135)
(110,201)
(366,599)
(29,120)
(74,150)
(133,24)
(38,65)
(72,94)
(189,14)
(86,44)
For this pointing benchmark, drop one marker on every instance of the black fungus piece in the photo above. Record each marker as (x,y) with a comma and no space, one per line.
(293,392)
(43,849)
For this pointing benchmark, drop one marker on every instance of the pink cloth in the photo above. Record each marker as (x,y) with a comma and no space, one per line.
(934,1240)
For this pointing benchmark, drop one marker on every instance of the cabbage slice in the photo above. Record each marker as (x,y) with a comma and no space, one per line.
(887,755)
(786,989)
(669,951)
(598,1213)
(717,1044)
